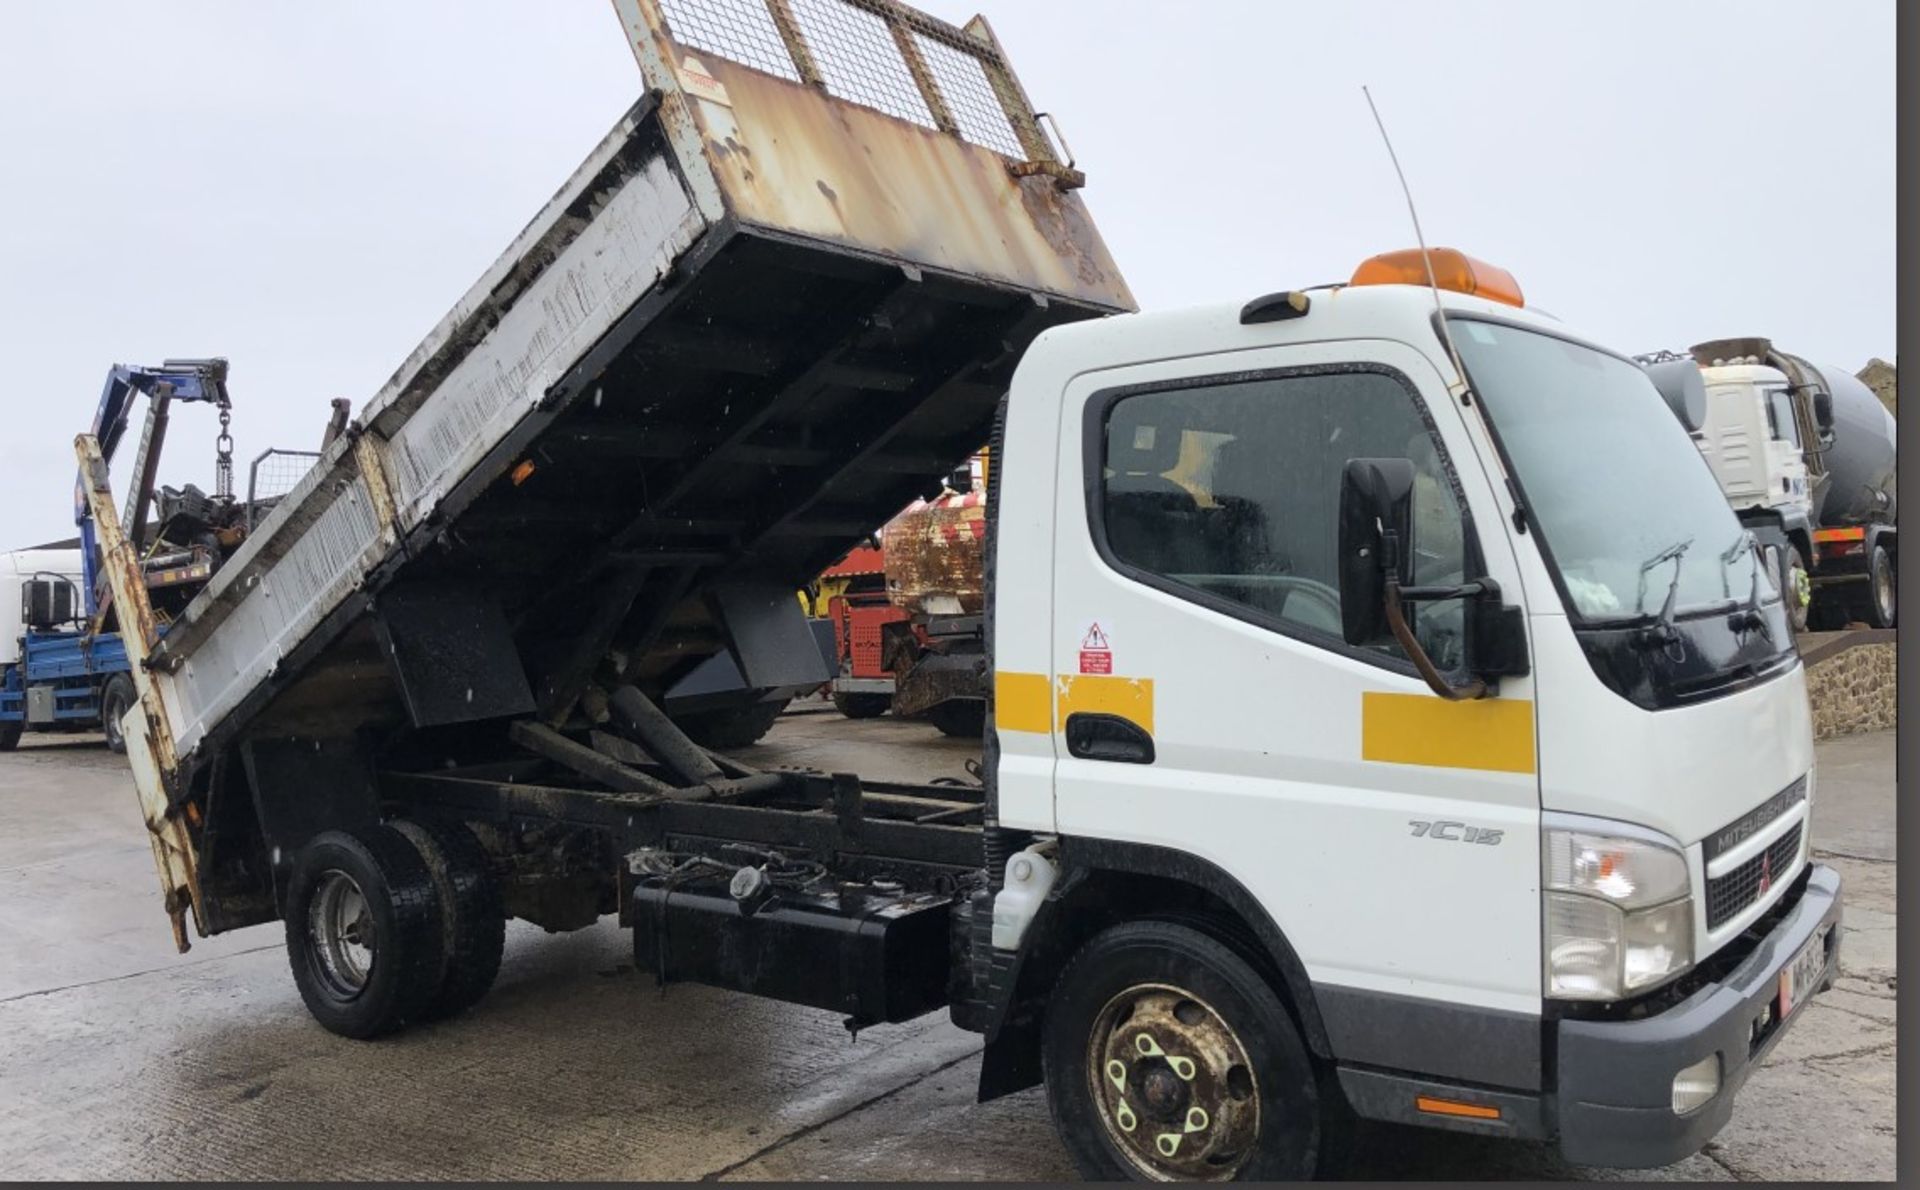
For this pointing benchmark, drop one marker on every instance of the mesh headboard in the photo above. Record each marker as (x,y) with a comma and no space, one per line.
(878,54)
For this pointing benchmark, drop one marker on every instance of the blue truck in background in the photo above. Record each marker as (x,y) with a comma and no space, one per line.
(62,665)
(55,675)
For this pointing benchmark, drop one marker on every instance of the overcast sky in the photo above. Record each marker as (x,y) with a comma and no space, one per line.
(306,188)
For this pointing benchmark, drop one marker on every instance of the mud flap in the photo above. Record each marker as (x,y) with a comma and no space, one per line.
(452,654)
(1010,1063)
(302,787)
(768,635)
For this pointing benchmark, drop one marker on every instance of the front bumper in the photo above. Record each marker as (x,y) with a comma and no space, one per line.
(1615,1078)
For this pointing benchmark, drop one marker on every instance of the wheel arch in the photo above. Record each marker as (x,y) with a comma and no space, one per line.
(1773,526)
(1104,883)
(1800,537)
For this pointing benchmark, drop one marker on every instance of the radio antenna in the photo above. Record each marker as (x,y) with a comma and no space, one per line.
(1426,257)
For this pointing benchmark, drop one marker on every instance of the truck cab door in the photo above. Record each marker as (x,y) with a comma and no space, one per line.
(1206,702)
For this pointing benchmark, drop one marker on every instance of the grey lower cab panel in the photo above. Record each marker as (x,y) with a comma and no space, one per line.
(1440,1040)
(1394,1098)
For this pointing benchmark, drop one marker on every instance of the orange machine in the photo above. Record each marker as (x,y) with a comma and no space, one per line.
(907,613)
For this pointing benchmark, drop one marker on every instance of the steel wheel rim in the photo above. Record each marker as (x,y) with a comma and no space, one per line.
(1173,1085)
(1799,591)
(1883,585)
(341,932)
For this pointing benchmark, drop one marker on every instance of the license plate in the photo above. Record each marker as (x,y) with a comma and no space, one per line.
(1802,976)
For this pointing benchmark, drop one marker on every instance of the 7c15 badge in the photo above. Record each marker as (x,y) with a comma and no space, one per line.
(1455,832)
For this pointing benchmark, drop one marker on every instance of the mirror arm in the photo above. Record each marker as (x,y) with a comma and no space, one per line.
(1403,632)
(1473,590)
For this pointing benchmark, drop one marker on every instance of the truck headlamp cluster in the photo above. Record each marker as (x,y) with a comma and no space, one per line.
(1618,912)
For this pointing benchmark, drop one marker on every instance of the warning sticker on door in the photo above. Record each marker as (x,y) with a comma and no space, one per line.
(1096,652)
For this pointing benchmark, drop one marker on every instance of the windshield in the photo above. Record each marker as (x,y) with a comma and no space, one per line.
(1628,511)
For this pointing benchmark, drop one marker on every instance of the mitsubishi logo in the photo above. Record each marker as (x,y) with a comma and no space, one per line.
(1766,872)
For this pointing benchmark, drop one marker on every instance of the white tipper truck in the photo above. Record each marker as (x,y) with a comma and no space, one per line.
(1355,746)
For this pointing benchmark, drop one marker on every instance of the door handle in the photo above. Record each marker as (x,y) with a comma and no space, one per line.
(1109,738)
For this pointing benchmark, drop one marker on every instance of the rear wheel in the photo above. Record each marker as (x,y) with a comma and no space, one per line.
(1883,597)
(1169,1058)
(473,924)
(862,706)
(733,728)
(363,927)
(960,717)
(116,699)
(10,735)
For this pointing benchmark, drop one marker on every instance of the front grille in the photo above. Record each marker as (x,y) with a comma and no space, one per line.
(1733,891)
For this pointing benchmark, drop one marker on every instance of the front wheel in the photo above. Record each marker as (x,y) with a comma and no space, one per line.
(116,699)
(1796,588)
(1169,1058)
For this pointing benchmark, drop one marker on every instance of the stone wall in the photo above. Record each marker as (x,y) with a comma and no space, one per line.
(1884,380)
(1853,691)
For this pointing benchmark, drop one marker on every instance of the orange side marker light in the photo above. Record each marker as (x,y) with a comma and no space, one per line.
(1454,1107)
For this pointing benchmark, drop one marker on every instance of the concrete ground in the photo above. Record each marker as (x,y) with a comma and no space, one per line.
(121,1059)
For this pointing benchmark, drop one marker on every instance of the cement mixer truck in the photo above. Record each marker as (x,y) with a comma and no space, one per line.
(1805,455)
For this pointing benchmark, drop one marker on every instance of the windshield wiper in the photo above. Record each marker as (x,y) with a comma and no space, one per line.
(1749,617)
(1732,554)
(1661,630)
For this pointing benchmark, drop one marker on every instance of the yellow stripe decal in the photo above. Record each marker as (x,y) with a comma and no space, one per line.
(1020,702)
(1100,694)
(1487,733)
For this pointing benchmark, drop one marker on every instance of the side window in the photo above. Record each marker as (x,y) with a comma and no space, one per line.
(1780,417)
(1233,489)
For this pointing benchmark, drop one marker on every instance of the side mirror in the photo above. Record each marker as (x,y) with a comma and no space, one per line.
(1680,383)
(47,602)
(1823,412)
(1376,541)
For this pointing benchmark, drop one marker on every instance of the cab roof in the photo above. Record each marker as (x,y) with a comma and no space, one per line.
(1402,313)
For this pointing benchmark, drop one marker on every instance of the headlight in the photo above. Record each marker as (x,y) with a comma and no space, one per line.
(1618,911)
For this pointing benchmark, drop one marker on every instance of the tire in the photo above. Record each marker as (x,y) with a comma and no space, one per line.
(1796,588)
(960,717)
(116,699)
(1883,593)
(1140,999)
(738,728)
(473,924)
(363,926)
(1829,614)
(862,706)
(10,735)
